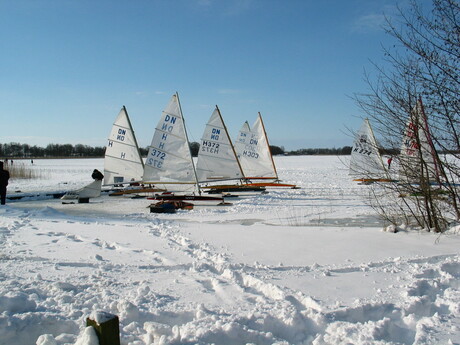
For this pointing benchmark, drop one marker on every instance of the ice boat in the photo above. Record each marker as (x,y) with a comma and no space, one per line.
(217,160)
(366,164)
(169,161)
(92,190)
(123,164)
(418,159)
(254,154)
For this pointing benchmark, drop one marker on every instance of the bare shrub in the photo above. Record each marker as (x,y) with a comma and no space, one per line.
(423,64)
(20,170)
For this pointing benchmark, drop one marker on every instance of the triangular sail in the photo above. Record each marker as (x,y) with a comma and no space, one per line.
(122,162)
(365,160)
(253,152)
(217,159)
(169,159)
(243,137)
(417,158)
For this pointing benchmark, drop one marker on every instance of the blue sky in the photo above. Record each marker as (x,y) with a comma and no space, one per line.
(67,67)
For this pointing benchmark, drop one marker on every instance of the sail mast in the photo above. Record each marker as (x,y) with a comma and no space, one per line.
(134,135)
(268,144)
(231,143)
(188,142)
(428,137)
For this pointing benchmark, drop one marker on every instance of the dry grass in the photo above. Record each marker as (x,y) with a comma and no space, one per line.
(19,170)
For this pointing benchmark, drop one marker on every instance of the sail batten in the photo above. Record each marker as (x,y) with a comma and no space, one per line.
(169,133)
(121,144)
(126,160)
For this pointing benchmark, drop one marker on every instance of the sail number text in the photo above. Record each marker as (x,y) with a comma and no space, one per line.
(210,147)
(250,154)
(362,150)
(156,158)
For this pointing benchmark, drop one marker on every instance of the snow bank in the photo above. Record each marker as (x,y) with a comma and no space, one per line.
(308,266)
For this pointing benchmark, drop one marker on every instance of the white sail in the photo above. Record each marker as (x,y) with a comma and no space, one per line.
(417,156)
(243,137)
(169,159)
(122,162)
(254,153)
(216,158)
(365,160)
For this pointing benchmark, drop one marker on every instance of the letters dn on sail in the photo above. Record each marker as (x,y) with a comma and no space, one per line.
(169,127)
(121,134)
(215,134)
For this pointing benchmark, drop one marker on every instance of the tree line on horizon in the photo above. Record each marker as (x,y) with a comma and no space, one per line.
(18,150)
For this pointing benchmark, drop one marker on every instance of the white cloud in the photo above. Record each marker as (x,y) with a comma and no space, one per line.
(370,22)
(375,20)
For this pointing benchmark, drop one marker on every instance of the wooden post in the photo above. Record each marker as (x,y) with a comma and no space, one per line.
(106,326)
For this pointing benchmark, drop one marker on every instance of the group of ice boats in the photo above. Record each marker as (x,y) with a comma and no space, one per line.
(417,161)
(223,169)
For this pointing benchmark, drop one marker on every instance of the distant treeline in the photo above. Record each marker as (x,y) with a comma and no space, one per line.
(17,150)
(346,150)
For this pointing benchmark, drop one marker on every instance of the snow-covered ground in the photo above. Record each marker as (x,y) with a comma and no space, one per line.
(305,266)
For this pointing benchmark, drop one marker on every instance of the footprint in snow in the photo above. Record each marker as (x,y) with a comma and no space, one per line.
(452,268)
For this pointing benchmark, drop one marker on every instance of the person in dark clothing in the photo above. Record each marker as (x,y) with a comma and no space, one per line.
(97,175)
(4,177)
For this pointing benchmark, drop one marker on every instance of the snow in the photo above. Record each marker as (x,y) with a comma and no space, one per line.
(101,317)
(306,266)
